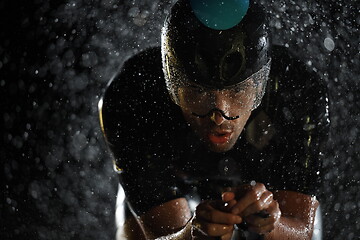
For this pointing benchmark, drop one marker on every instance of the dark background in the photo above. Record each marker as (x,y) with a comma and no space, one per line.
(57,180)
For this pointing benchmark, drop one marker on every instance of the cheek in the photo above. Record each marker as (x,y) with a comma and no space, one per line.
(190,119)
(199,125)
(240,123)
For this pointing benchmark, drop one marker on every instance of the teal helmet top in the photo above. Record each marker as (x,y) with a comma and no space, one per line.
(214,43)
(220,15)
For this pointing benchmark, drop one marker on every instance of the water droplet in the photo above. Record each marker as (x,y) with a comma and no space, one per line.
(329,44)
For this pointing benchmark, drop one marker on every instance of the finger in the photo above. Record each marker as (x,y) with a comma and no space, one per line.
(212,229)
(263,203)
(229,205)
(226,206)
(227,236)
(260,222)
(210,214)
(252,195)
(228,196)
(255,220)
(274,210)
(229,199)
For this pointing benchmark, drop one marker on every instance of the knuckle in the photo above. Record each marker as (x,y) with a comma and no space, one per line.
(271,210)
(275,216)
(232,220)
(253,194)
(275,207)
(260,186)
(272,219)
(270,195)
(278,215)
(258,206)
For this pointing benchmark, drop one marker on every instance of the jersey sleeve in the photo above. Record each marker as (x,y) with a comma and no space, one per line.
(134,116)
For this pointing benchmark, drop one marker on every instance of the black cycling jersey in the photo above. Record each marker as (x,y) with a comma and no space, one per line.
(160,158)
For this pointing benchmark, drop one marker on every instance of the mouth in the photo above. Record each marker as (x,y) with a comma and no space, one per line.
(219,137)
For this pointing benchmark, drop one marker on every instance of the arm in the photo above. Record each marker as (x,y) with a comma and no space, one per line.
(297,220)
(173,220)
(170,218)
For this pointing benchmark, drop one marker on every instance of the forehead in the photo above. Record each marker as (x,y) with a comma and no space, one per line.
(242,86)
(256,79)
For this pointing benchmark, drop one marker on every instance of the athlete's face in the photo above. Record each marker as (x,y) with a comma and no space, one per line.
(218,133)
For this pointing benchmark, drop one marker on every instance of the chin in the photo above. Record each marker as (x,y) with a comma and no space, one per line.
(219,148)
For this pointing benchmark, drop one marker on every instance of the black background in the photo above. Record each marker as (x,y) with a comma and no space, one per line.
(57,180)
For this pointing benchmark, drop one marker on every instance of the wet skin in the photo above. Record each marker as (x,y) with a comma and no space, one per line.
(218,133)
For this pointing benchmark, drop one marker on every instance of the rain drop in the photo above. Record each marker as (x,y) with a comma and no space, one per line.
(329,44)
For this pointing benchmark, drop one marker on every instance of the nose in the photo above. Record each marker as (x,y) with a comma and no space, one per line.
(219,100)
(217,118)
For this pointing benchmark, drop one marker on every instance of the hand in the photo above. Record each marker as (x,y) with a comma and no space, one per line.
(256,205)
(214,219)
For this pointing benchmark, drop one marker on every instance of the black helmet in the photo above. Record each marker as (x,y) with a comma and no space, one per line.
(199,55)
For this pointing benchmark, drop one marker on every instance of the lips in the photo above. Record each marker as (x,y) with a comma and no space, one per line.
(219,137)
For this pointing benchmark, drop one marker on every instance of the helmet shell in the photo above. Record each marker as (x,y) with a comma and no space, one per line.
(213,58)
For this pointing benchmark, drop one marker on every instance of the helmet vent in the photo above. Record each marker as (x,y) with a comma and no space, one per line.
(231,65)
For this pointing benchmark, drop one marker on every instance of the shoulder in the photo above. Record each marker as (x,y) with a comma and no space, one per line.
(147,61)
(139,72)
(133,91)
(137,116)
(296,104)
(297,93)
